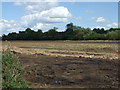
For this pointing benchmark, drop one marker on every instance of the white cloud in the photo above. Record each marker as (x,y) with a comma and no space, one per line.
(57,12)
(42,26)
(12,26)
(37,15)
(33,7)
(108,26)
(44,12)
(38,7)
(9,26)
(48,16)
(114,24)
(5,24)
(101,19)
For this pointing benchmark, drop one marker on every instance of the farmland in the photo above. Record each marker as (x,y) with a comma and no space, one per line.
(68,64)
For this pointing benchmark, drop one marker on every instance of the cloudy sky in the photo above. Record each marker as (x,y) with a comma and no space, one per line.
(17,16)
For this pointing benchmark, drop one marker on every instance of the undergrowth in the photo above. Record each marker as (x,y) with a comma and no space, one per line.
(12,71)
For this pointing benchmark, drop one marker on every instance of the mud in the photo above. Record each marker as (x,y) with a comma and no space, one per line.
(42,71)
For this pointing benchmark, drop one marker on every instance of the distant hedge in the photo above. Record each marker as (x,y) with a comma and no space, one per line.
(72,32)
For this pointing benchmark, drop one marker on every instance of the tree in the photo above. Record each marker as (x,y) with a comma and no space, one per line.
(72,32)
(12,36)
(80,33)
(69,26)
(39,34)
(51,34)
(100,31)
(30,34)
(69,31)
(113,35)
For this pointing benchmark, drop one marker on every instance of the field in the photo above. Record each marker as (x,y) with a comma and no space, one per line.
(68,64)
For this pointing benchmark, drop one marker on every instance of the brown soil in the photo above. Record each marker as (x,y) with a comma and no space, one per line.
(87,68)
(42,71)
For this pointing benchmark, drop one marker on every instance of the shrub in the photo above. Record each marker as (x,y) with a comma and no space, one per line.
(12,72)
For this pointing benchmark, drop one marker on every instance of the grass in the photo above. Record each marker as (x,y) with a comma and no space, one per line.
(12,72)
(91,47)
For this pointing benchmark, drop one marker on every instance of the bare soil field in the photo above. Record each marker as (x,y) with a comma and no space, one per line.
(69,72)
(68,64)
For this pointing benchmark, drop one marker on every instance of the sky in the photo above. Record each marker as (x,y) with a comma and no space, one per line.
(17,16)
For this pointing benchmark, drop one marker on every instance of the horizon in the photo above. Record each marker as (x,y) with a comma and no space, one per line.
(56,30)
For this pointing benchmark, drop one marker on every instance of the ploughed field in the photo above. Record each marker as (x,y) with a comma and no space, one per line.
(68,64)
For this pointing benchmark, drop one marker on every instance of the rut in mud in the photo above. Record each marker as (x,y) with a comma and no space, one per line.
(69,72)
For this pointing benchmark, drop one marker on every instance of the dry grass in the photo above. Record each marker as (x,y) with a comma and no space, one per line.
(89,49)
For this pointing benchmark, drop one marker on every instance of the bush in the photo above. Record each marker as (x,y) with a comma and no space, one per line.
(113,35)
(94,36)
(12,72)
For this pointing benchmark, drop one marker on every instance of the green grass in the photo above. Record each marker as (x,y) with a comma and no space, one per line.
(12,72)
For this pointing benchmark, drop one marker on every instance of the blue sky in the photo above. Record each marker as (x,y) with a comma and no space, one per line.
(108,10)
(17,16)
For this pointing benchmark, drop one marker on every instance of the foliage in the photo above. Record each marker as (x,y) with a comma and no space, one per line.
(100,31)
(113,35)
(12,72)
(72,32)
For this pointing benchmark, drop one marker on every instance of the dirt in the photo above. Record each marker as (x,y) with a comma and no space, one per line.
(90,67)
(42,71)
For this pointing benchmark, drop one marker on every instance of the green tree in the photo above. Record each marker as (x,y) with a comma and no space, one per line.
(51,34)
(12,36)
(69,34)
(113,35)
(30,34)
(100,31)
(95,36)
(79,32)
(39,34)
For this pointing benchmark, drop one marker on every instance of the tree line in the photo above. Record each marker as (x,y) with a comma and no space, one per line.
(72,32)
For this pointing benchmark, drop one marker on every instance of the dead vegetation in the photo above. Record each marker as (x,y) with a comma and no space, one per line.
(72,49)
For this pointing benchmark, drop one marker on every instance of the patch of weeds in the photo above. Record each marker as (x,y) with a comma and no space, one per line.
(12,72)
